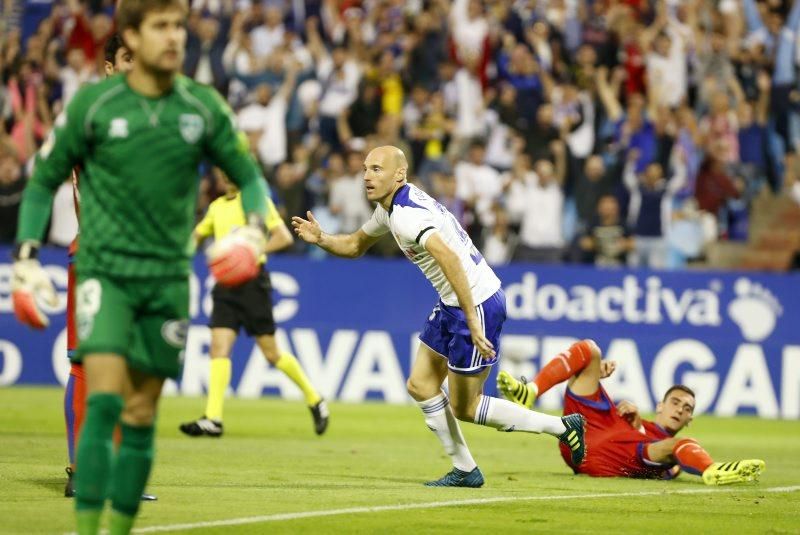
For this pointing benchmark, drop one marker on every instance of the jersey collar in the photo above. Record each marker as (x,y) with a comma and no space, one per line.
(396,193)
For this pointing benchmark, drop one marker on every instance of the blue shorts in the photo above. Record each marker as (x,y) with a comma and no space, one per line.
(446,332)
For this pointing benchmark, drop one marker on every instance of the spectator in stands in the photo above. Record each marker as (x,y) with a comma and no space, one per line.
(265,120)
(607,241)
(470,106)
(478,184)
(205,48)
(426,49)
(650,208)
(470,33)
(89,31)
(74,74)
(499,242)
(347,200)
(543,134)
(444,191)
(714,185)
(340,75)
(11,185)
(592,81)
(541,236)
(268,35)
(515,185)
(593,183)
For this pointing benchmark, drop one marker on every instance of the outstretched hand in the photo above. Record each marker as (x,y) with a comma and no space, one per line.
(307,230)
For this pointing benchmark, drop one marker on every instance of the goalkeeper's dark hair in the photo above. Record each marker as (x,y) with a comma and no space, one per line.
(682,388)
(113,45)
(130,13)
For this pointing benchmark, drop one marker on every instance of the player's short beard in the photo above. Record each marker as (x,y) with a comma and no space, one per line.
(160,72)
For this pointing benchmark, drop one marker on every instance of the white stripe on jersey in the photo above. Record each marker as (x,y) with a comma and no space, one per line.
(413,217)
(476,354)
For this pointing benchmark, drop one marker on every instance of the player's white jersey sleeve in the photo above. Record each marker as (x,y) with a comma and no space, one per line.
(414,218)
(378,224)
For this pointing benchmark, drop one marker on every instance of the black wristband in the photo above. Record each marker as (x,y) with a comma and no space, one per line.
(27,250)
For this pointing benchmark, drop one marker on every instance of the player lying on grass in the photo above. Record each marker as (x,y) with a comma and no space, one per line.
(619,441)
(461,337)
(247,306)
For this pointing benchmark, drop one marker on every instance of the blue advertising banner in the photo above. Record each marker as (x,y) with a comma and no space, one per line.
(732,337)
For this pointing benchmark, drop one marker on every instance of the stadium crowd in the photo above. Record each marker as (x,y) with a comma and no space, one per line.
(609,131)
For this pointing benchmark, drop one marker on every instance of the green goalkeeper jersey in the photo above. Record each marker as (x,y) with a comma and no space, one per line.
(139,160)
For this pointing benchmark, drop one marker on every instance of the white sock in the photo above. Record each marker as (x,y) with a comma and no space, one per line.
(439,419)
(507,416)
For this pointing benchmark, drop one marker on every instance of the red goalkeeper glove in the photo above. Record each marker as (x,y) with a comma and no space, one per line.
(234,260)
(31,287)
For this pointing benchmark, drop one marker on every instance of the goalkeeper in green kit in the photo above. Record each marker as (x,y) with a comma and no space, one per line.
(138,139)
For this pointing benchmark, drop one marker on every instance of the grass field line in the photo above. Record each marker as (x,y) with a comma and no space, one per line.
(451,503)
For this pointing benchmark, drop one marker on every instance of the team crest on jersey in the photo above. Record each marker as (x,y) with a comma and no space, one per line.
(88,297)
(118,128)
(191,127)
(175,332)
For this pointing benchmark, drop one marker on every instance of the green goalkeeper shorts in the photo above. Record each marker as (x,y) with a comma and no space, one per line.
(146,321)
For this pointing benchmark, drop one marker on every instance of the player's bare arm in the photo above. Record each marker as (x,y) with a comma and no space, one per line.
(279,238)
(344,245)
(451,267)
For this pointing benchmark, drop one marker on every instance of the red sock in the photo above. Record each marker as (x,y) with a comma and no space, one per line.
(564,366)
(691,456)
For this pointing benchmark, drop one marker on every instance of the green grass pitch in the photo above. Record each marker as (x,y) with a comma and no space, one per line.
(270,463)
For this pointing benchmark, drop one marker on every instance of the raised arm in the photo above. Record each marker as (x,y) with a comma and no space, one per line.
(289,79)
(608,95)
(629,176)
(785,52)
(763,82)
(679,173)
(659,24)
(752,16)
(344,245)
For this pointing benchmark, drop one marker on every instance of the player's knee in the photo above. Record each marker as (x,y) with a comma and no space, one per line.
(419,390)
(220,351)
(464,410)
(595,355)
(272,355)
(139,413)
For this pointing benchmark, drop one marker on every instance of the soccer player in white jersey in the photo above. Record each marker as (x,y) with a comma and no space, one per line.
(461,336)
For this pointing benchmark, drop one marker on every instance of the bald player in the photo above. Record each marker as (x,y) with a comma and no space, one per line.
(461,336)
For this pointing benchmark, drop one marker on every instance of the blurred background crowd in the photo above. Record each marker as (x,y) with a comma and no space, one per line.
(646,133)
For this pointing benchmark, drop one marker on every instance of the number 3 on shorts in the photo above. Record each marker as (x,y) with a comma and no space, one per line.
(87,300)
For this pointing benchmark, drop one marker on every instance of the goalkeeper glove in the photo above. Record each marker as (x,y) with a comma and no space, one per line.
(31,287)
(234,260)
